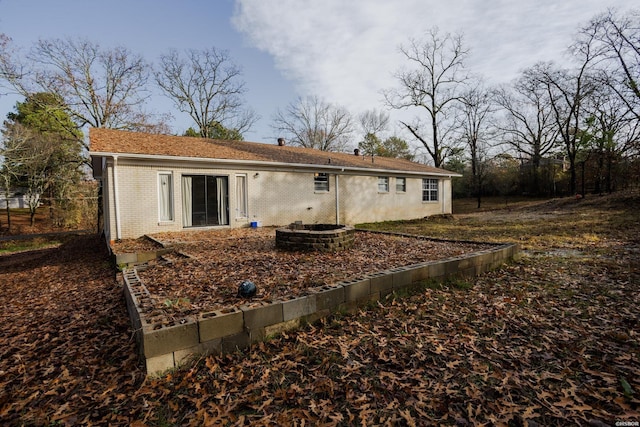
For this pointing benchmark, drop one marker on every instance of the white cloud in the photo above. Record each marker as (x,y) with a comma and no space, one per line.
(347,51)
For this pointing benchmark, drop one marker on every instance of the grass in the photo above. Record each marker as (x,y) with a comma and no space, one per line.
(539,225)
(469,205)
(12,246)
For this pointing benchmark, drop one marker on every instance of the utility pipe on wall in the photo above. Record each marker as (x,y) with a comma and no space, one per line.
(337,200)
(116,200)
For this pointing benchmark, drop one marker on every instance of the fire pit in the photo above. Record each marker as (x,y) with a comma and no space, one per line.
(315,237)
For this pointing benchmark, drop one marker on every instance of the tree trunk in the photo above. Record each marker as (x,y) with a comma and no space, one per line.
(8,216)
(582,177)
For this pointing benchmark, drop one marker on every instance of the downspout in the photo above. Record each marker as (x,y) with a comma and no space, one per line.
(337,200)
(443,199)
(444,196)
(116,200)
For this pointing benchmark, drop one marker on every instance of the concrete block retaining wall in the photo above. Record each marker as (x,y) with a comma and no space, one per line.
(129,259)
(164,347)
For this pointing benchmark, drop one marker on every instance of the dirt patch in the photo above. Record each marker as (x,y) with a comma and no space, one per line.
(21,222)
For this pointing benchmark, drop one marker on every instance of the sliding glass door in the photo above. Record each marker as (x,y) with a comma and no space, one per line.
(205,200)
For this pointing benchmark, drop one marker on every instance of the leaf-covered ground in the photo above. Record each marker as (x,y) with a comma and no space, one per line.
(552,339)
(218,261)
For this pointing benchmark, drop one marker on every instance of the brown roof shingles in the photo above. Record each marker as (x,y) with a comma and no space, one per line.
(123,142)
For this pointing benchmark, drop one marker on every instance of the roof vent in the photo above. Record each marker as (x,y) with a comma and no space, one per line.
(356,151)
(281,142)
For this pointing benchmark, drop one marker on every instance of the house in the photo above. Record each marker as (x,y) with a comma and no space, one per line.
(159,183)
(17,199)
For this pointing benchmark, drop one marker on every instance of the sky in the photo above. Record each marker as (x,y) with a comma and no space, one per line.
(343,51)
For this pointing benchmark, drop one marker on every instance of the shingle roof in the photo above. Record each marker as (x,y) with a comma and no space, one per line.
(109,141)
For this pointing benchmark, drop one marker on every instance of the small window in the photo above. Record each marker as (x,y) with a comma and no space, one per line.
(321,182)
(383,184)
(165,196)
(429,190)
(401,185)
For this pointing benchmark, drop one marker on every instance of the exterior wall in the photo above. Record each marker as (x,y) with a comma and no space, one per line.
(360,200)
(274,198)
(15,201)
(280,198)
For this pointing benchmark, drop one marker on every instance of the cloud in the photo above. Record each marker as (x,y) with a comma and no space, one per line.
(347,51)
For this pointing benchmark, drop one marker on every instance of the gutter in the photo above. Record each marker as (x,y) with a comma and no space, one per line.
(116,199)
(276,166)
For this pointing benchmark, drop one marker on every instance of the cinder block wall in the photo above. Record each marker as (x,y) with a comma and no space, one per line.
(164,347)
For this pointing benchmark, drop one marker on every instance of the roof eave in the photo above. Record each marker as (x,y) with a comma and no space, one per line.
(270,165)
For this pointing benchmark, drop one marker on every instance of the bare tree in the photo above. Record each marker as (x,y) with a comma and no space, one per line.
(374,121)
(27,159)
(101,87)
(475,109)
(568,92)
(614,39)
(314,123)
(151,123)
(7,70)
(432,83)
(12,150)
(611,41)
(528,123)
(615,134)
(206,85)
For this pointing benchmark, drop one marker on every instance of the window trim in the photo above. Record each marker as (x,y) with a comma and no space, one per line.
(323,182)
(245,202)
(430,191)
(404,184)
(385,183)
(170,201)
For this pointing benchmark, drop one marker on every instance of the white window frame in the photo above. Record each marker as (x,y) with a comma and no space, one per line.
(403,187)
(321,182)
(383,184)
(430,190)
(242,197)
(169,198)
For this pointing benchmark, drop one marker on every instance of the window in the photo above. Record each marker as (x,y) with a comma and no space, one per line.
(383,184)
(242,210)
(321,182)
(429,190)
(401,185)
(205,200)
(165,196)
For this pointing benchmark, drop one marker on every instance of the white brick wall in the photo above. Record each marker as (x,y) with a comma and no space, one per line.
(274,198)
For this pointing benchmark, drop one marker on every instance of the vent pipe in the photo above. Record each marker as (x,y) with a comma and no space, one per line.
(281,142)
(356,151)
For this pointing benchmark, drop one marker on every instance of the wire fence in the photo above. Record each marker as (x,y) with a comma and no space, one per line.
(77,212)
